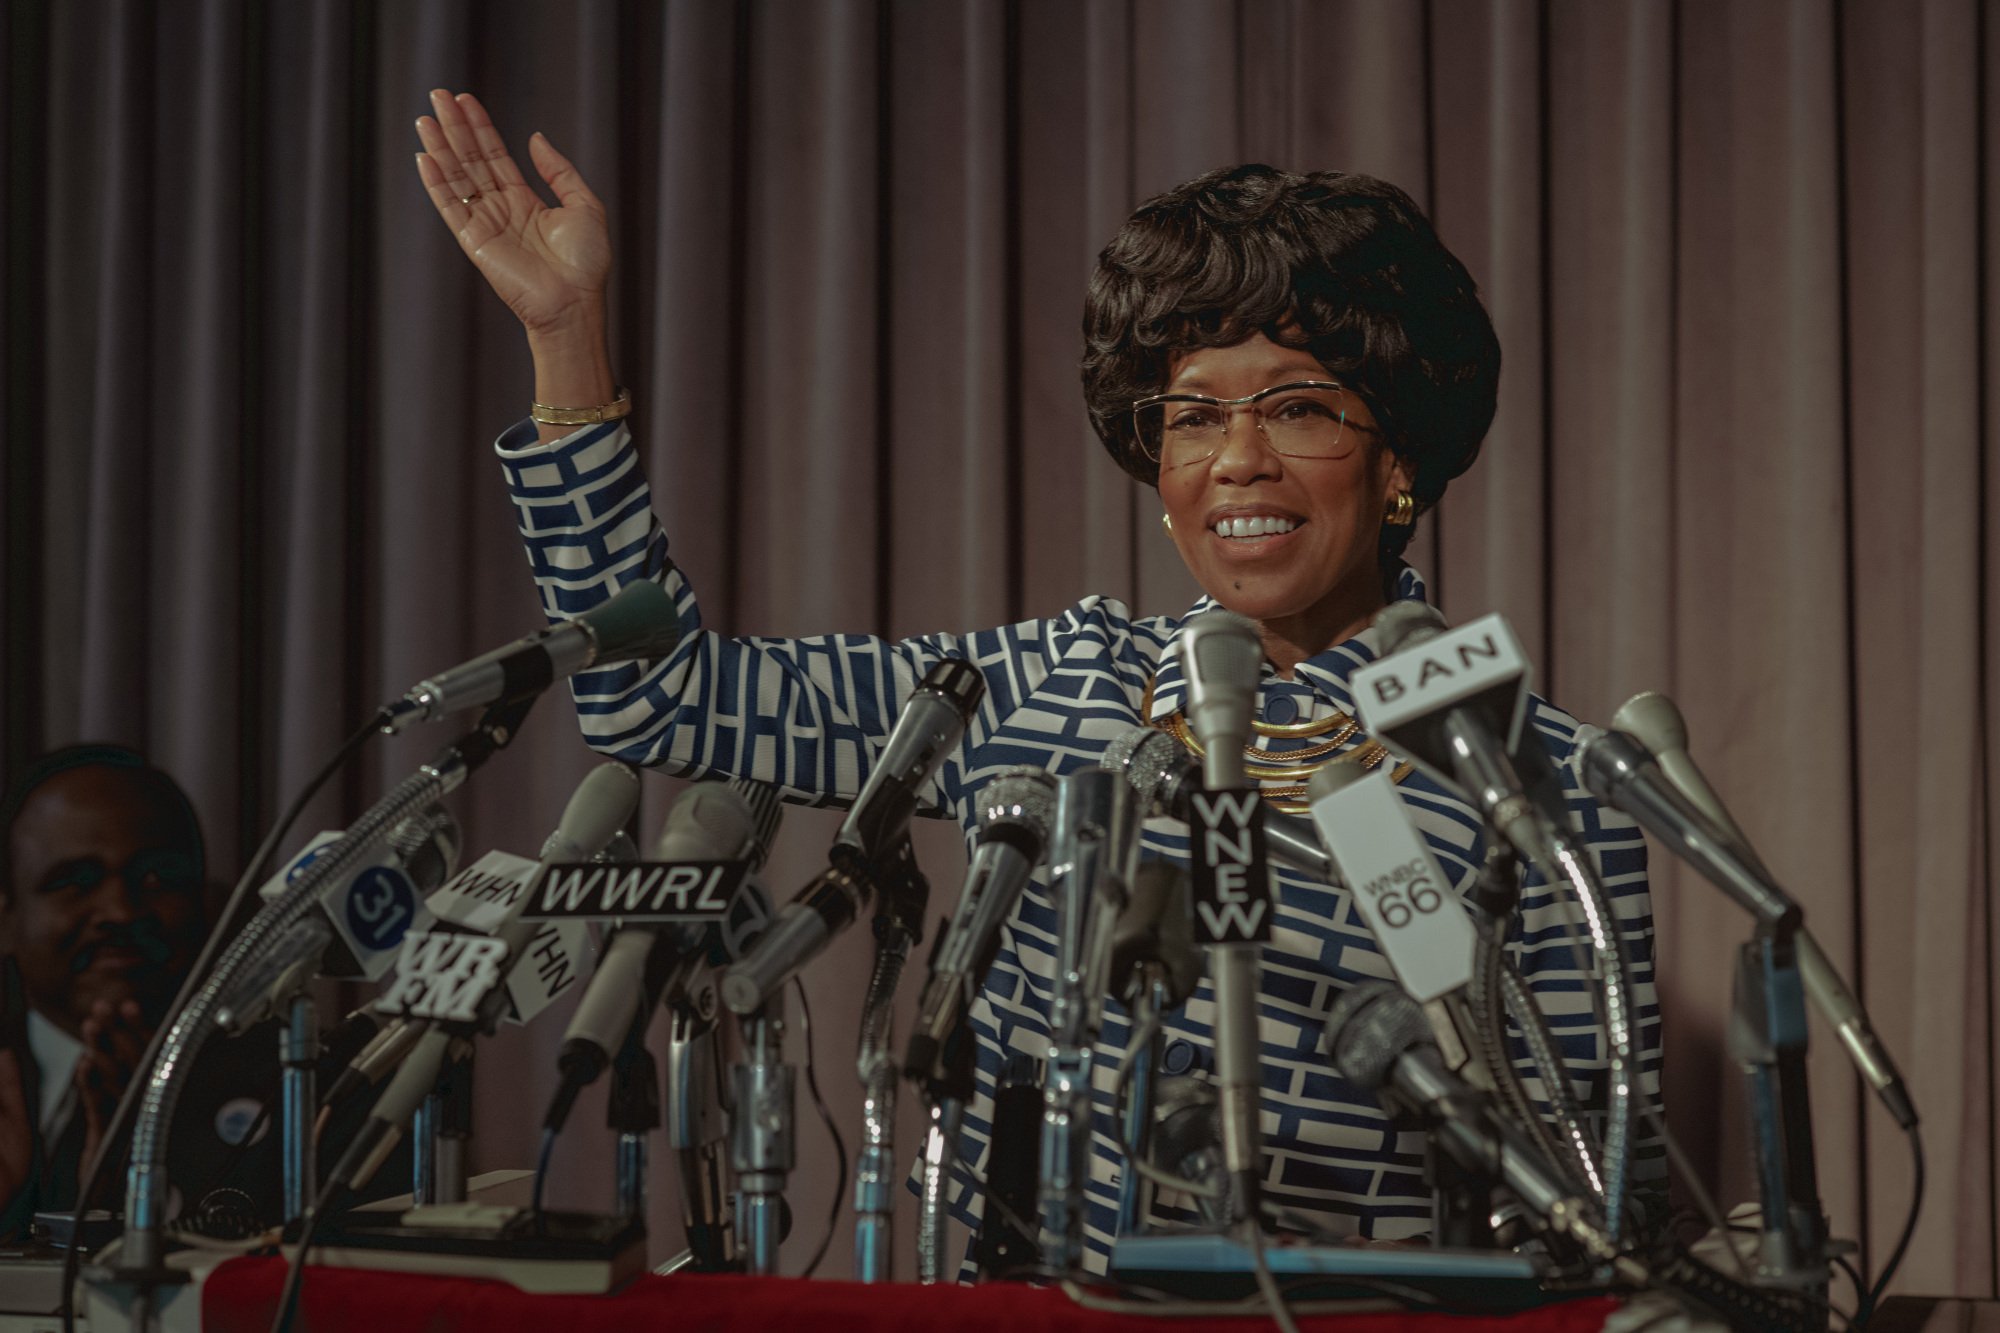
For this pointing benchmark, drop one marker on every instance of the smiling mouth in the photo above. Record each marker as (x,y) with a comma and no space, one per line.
(1257,528)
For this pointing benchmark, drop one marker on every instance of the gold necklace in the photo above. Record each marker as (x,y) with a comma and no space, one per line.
(1291,766)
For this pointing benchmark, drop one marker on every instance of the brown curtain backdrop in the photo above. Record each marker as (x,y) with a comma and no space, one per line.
(1740,256)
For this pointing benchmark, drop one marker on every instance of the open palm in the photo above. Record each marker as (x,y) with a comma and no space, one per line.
(549,265)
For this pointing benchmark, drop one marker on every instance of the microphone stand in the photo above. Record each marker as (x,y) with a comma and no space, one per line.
(898,925)
(945,1099)
(298,1055)
(762,1141)
(699,1134)
(633,1112)
(1767,1037)
(1136,1190)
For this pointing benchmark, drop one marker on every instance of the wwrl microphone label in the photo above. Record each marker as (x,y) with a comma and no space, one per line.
(636,891)
(1232,880)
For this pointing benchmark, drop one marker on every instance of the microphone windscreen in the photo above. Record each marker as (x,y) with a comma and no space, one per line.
(1148,758)
(601,805)
(640,621)
(767,811)
(1371,1025)
(1401,625)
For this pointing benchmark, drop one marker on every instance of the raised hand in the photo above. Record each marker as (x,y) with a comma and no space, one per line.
(114,1041)
(549,265)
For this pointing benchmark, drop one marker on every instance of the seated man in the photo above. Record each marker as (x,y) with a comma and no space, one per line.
(101,915)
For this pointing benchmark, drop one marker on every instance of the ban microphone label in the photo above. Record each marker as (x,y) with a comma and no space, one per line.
(1231,881)
(635,891)
(1460,664)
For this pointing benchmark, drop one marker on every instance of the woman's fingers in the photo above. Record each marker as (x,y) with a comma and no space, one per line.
(458,134)
(562,175)
(491,146)
(450,170)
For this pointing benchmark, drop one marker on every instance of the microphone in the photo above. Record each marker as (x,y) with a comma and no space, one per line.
(1163,773)
(1093,859)
(359,920)
(1656,725)
(1222,658)
(1455,703)
(1154,940)
(1015,811)
(710,821)
(447,993)
(639,622)
(1620,772)
(930,726)
(1382,1042)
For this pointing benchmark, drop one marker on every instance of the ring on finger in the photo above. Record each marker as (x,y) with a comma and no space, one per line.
(469,199)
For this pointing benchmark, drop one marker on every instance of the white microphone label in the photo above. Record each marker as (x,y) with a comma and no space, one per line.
(1231,883)
(370,911)
(444,976)
(477,899)
(1417,919)
(1451,668)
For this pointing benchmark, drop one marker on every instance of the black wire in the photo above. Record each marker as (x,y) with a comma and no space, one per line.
(142,1075)
(1867,1311)
(832,1129)
(288,1297)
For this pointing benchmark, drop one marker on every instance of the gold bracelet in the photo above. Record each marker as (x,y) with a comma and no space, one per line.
(582,416)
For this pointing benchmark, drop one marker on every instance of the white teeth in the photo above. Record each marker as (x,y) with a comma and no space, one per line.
(1260,526)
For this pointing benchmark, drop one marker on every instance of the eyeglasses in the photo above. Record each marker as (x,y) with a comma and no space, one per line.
(1304,419)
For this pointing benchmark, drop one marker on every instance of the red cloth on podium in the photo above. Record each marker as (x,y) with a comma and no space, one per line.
(242,1297)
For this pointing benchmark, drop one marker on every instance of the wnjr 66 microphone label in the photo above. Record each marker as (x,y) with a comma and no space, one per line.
(1232,880)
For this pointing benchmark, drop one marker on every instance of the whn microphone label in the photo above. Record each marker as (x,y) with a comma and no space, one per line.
(635,891)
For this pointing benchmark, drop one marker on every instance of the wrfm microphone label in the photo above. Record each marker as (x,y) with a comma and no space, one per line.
(636,891)
(1232,880)
(444,976)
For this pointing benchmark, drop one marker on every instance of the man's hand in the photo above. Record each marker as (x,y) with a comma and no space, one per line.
(549,265)
(114,1041)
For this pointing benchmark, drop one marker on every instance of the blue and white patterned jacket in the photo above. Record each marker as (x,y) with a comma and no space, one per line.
(809,716)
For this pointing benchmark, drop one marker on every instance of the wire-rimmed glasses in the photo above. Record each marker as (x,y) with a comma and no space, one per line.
(1303,419)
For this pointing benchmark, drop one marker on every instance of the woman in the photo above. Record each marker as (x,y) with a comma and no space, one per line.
(1299,367)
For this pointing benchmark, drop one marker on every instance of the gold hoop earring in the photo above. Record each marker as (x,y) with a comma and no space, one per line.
(1167,522)
(1402,511)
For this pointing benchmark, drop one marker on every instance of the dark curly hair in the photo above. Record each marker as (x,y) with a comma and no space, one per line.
(1346,266)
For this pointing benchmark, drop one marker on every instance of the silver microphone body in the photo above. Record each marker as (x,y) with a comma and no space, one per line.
(1222,659)
(1656,723)
(639,621)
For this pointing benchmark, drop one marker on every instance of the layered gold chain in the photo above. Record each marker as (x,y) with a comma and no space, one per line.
(1294,768)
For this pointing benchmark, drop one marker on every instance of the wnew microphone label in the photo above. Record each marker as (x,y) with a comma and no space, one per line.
(1456,665)
(635,891)
(1232,880)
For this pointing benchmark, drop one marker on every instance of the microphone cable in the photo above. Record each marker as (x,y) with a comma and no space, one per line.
(128,1104)
(832,1129)
(1866,1314)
